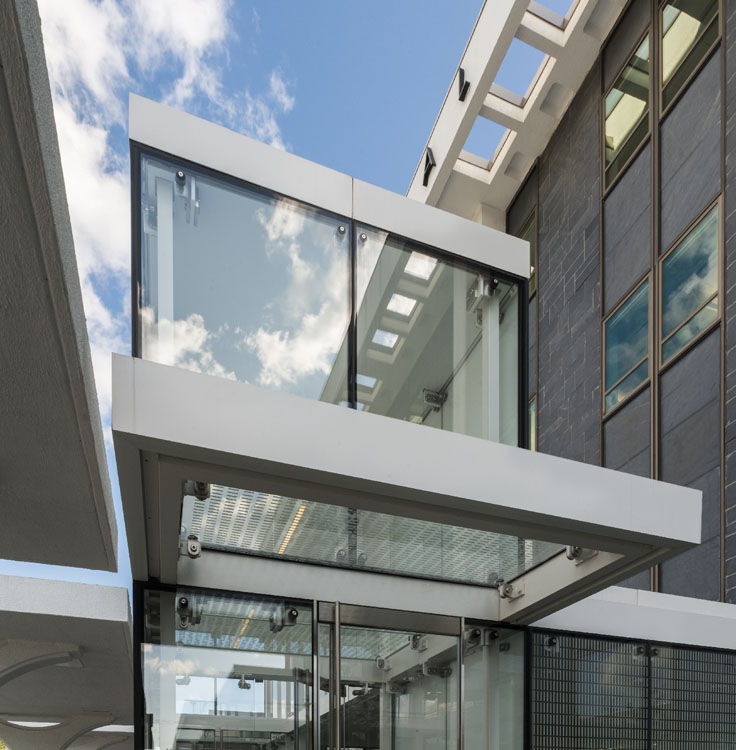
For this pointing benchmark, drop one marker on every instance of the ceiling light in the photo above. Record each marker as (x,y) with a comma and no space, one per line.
(400,304)
(420,265)
(384,338)
(292,529)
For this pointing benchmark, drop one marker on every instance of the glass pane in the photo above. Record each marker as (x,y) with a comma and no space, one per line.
(690,274)
(690,330)
(242,284)
(627,336)
(398,690)
(533,424)
(270,525)
(628,385)
(437,341)
(688,31)
(626,108)
(493,688)
(219,665)
(529,233)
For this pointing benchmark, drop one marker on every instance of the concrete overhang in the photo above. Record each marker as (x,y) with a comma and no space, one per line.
(66,658)
(172,425)
(57,502)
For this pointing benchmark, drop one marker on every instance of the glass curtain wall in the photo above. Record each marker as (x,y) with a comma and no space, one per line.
(244,284)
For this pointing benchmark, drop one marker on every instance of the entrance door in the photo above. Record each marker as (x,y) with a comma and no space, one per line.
(388,679)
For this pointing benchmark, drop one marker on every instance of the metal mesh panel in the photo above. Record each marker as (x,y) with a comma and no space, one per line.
(588,694)
(694,699)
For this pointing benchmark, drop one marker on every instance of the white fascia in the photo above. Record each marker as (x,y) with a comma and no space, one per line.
(647,615)
(171,425)
(214,147)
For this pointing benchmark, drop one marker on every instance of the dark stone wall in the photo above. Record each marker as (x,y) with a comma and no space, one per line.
(626,34)
(730,307)
(569,282)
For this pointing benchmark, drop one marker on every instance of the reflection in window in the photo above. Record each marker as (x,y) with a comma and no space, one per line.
(212,661)
(529,233)
(689,28)
(626,112)
(240,283)
(533,424)
(627,347)
(690,286)
(438,339)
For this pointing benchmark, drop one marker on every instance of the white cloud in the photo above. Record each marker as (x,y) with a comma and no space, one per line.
(96,51)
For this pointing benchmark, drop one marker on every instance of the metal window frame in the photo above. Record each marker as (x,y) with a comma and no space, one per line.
(645,279)
(718,20)
(606,186)
(718,294)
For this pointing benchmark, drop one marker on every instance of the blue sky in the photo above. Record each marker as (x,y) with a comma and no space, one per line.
(352,85)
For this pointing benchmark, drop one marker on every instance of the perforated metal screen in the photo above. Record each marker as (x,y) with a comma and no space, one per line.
(592,693)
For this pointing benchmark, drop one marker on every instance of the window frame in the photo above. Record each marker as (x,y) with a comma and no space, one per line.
(718,20)
(534,258)
(646,278)
(718,295)
(608,186)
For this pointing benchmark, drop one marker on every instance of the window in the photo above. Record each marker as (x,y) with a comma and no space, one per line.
(627,112)
(626,342)
(529,233)
(688,32)
(533,423)
(690,285)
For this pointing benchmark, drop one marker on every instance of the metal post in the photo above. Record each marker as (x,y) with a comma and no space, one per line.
(336,744)
(460,681)
(315,676)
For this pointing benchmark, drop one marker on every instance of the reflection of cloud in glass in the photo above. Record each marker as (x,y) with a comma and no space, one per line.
(690,273)
(384,338)
(183,343)
(627,335)
(319,282)
(400,304)
(420,265)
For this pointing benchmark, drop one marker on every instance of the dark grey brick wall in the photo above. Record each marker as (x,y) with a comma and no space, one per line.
(569,282)
(730,309)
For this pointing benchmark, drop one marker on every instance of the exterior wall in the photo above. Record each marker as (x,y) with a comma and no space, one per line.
(569,332)
(593,250)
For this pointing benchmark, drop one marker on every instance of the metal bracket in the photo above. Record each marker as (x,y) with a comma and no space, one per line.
(579,554)
(429,165)
(510,590)
(434,399)
(462,85)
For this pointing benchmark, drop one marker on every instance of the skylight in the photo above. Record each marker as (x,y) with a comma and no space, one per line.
(365,380)
(420,265)
(384,338)
(401,305)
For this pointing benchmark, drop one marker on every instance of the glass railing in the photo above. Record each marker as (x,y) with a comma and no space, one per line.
(239,282)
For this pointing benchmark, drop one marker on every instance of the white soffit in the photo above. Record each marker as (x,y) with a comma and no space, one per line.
(212,146)
(171,425)
(461,182)
(631,613)
(66,653)
(57,501)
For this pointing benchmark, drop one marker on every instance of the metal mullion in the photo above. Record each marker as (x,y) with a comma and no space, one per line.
(460,686)
(623,377)
(721,313)
(353,320)
(335,687)
(315,676)
(633,154)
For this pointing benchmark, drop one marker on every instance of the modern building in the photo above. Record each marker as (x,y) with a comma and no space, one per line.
(295,523)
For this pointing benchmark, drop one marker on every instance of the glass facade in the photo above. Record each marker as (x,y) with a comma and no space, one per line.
(245,284)
(690,285)
(626,108)
(268,525)
(529,233)
(689,30)
(626,334)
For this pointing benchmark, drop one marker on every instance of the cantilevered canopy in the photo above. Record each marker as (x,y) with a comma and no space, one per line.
(300,480)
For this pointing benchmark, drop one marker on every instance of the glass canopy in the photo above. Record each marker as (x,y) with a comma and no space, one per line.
(239,282)
(263,524)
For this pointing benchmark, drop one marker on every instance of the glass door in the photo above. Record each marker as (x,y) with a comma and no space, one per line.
(396,679)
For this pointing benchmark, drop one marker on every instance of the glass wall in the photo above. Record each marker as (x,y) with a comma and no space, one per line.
(241,283)
(224,670)
(627,112)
